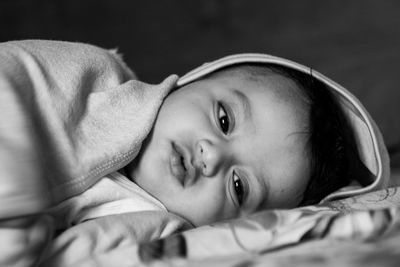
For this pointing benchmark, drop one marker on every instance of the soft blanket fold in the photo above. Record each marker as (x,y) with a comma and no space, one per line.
(69,114)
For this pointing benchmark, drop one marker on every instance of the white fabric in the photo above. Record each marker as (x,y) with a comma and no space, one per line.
(112,194)
(70,113)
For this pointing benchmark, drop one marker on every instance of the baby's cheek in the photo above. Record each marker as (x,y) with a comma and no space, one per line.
(212,210)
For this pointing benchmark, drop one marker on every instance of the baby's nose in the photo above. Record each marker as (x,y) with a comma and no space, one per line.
(209,157)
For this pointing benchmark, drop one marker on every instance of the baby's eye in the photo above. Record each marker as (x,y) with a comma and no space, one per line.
(239,188)
(223,118)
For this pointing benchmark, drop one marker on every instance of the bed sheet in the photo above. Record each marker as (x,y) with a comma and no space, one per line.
(358,231)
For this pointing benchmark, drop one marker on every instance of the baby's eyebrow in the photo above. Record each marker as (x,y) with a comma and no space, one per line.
(245,107)
(244,102)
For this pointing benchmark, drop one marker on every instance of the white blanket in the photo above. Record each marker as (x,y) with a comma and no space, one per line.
(69,114)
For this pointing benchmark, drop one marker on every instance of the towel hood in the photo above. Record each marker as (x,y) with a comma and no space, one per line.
(371,148)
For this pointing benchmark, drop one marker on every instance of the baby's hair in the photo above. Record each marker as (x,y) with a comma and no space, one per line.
(330,139)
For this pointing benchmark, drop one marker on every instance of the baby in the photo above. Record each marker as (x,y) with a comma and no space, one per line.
(244,138)
(81,138)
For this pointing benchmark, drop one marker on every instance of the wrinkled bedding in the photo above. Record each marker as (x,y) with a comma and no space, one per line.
(358,231)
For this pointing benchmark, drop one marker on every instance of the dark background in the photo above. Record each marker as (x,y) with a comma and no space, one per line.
(354,42)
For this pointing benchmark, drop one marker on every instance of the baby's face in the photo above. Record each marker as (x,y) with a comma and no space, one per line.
(226,146)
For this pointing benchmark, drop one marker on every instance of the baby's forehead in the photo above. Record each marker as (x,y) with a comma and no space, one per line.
(274,80)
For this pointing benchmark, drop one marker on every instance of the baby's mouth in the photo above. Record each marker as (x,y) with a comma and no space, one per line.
(177,164)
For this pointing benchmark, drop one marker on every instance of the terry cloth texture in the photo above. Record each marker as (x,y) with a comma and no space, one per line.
(69,114)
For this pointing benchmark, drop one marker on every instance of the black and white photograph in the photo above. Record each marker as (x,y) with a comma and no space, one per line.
(199,133)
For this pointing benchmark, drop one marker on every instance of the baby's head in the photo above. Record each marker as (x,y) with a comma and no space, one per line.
(244,138)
